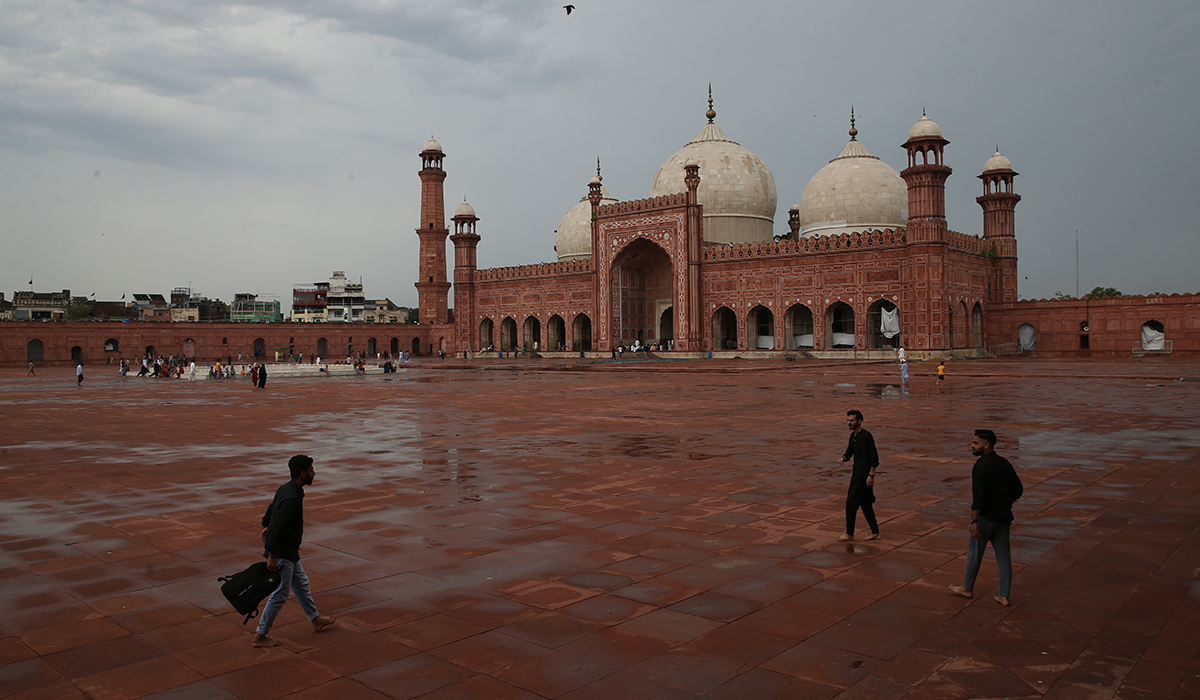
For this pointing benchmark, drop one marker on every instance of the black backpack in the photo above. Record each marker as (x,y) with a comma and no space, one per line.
(247,589)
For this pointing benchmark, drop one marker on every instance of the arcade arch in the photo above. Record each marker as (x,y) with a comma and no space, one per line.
(839,326)
(724,329)
(531,334)
(883,319)
(508,334)
(486,329)
(582,327)
(760,328)
(35,350)
(666,324)
(556,333)
(798,328)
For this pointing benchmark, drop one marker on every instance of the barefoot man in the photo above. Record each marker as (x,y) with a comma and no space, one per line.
(862,478)
(283,529)
(994,487)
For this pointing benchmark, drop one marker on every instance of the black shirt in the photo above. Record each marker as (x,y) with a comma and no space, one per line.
(284,521)
(994,487)
(866,457)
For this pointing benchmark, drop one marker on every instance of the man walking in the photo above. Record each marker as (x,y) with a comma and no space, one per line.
(79,374)
(994,487)
(283,530)
(862,479)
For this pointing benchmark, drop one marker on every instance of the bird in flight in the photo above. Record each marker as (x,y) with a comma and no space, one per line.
(568,8)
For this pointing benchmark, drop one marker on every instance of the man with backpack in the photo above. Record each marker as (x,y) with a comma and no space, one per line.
(283,530)
(994,487)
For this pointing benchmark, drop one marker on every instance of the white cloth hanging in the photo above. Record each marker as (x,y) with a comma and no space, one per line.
(889,323)
(1152,339)
(1027,338)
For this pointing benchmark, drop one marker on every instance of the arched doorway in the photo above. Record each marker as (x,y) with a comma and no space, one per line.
(883,325)
(112,345)
(371,346)
(643,272)
(150,352)
(531,336)
(395,346)
(508,334)
(35,350)
(442,344)
(798,327)
(666,325)
(760,328)
(1027,337)
(76,353)
(839,327)
(322,347)
(556,333)
(1154,335)
(724,329)
(416,346)
(260,347)
(977,326)
(189,348)
(486,329)
(582,327)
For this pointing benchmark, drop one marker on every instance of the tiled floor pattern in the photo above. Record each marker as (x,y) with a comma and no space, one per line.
(541,530)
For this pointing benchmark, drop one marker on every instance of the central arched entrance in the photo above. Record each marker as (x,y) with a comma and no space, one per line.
(643,272)
(798,331)
(666,325)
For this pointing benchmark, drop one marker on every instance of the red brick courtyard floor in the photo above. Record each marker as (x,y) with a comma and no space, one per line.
(664,530)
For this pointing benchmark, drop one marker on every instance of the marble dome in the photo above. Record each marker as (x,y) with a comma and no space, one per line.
(736,189)
(997,162)
(924,128)
(432,145)
(573,241)
(854,192)
(464,209)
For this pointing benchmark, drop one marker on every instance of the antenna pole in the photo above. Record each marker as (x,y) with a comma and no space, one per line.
(1077,264)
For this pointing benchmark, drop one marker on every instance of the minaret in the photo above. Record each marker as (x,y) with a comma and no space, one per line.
(465,240)
(999,202)
(926,177)
(432,286)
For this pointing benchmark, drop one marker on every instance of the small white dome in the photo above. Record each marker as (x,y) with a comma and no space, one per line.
(431,145)
(464,209)
(997,162)
(924,129)
(573,241)
(856,191)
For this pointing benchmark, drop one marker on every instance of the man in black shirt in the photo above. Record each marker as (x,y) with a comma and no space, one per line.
(283,531)
(994,487)
(862,478)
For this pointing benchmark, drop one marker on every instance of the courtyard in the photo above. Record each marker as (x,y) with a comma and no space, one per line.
(590,530)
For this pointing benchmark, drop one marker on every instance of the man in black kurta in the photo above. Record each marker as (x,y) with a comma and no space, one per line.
(862,479)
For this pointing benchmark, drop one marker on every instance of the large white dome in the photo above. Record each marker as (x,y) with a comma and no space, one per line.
(736,188)
(573,241)
(856,191)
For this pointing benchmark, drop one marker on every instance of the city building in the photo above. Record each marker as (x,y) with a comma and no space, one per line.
(384,311)
(40,306)
(345,302)
(248,308)
(309,302)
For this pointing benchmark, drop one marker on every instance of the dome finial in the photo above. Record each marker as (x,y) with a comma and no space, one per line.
(853,131)
(598,175)
(711,114)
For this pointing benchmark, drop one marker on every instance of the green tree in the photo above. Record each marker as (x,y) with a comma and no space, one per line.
(1100,292)
(77,311)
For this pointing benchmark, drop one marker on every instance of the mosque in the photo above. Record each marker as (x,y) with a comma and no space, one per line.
(868,264)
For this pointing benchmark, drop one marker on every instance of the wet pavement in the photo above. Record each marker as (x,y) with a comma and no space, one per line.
(554,529)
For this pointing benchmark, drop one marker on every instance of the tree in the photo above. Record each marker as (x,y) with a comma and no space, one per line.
(1101,292)
(78,310)
(413,315)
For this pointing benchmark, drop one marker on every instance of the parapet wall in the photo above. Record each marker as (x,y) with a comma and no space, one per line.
(1114,324)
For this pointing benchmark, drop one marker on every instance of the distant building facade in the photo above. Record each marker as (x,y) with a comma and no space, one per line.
(248,308)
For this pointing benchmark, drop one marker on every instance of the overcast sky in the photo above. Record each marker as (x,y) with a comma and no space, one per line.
(247,146)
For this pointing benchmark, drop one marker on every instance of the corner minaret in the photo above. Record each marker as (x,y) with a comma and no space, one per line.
(465,240)
(999,202)
(926,178)
(432,287)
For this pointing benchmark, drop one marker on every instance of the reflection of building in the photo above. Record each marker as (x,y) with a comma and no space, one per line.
(248,308)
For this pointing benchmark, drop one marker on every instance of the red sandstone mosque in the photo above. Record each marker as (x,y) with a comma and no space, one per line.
(868,264)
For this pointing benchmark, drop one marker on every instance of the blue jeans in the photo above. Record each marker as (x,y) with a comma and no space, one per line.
(997,534)
(291,575)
